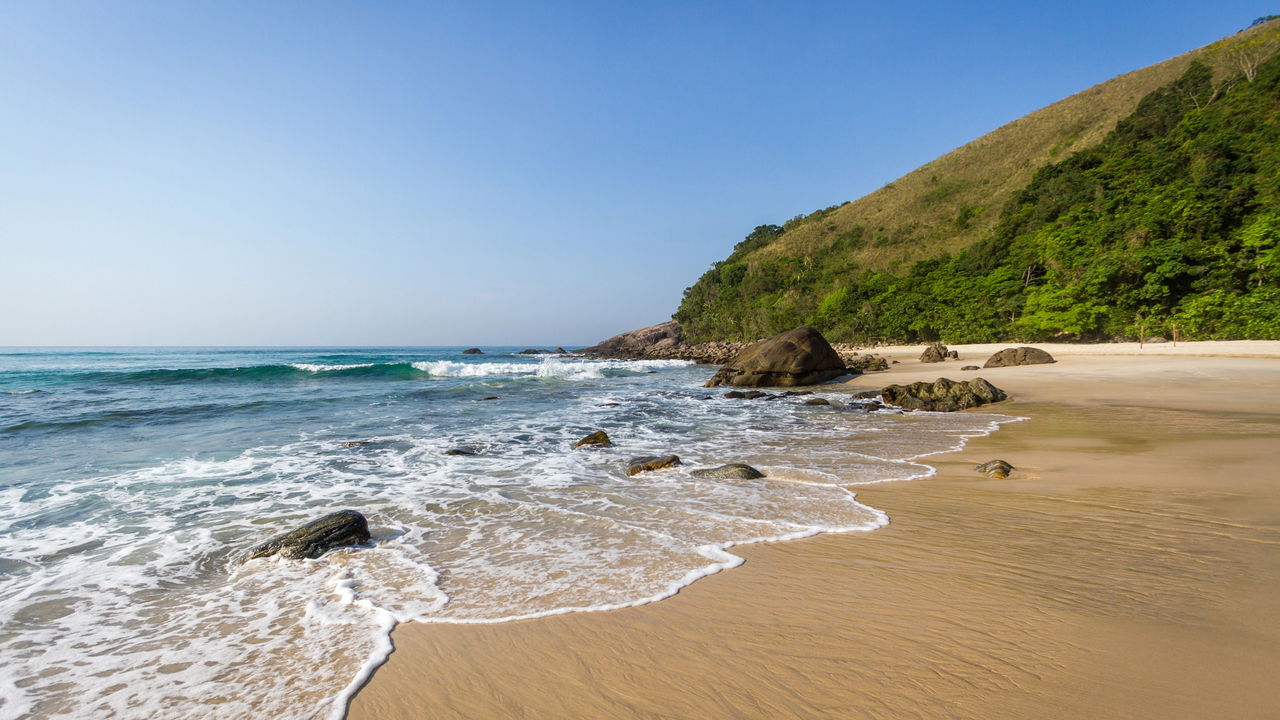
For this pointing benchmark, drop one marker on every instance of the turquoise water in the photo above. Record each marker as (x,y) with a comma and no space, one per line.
(133,480)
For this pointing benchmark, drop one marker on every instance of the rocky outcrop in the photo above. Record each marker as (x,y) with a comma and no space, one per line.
(732,471)
(649,463)
(796,357)
(997,469)
(942,395)
(639,344)
(473,351)
(533,351)
(339,529)
(598,438)
(1018,356)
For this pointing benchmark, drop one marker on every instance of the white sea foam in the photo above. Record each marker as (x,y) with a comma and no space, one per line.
(316,368)
(548,367)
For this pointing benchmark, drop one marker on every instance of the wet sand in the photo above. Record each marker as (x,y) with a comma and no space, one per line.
(1129,568)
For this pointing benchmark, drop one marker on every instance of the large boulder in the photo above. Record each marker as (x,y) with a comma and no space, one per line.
(796,357)
(339,529)
(1018,356)
(942,395)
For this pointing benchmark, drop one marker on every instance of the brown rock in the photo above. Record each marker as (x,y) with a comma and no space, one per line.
(1019,356)
(796,357)
(732,471)
(970,367)
(649,463)
(816,401)
(596,439)
(997,469)
(473,351)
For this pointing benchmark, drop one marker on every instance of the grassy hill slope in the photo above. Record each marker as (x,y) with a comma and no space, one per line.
(808,269)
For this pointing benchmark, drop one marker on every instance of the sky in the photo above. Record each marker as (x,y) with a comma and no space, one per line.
(530,173)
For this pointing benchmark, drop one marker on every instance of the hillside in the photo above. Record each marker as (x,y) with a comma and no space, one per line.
(838,268)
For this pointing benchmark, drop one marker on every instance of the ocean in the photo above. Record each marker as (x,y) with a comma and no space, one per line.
(134,480)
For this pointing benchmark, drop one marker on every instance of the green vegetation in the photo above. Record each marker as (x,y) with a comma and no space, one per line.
(1171,223)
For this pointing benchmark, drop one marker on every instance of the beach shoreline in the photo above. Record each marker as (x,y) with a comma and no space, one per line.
(1128,568)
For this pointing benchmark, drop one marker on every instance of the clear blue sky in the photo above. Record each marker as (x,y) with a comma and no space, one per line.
(314,173)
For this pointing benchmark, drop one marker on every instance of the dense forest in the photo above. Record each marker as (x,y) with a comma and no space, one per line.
(1171,225)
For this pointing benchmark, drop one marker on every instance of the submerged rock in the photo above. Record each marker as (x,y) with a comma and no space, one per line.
(1010,357)
(357,443)
(816,401)
(942,395)
(598,438)
(649,463)
(796,357)
(489,397)
(473,351)
(339,529)
(997,469)
(749,395)
(732,471)
(935,353)
(460,452)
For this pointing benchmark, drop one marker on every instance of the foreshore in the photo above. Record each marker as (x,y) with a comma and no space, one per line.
(1128,568)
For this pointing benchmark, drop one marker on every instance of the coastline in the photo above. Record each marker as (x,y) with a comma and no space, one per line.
(1128,568)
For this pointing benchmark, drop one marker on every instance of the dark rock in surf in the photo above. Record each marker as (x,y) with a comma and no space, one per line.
(357,443)
(490,397)
(598,438)
(473,351)
(942,395)
(460,452)
(796,357)
(1010,357)
(339,529)
(732,471)
(997,469)
(649,463)
(816,401)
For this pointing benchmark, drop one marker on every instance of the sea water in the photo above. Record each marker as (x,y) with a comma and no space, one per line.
(133,481)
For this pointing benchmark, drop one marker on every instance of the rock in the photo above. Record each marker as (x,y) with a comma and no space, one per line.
(895,362)
(473,351)
(460,451)
(936,352)
(490,397)
(610,404)
(953,355)
(357,443)
(732,471)
(649,463)
(970,367)
(1018,356)
(942,395)
(816,401)
(749,395)
(796,357)
(638,344)
(532,351)
(339,529)
(795,393)
(560,351)
(997,469)
(596,439)
(866,363)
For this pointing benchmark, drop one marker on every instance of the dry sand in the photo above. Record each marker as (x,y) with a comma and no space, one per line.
(1129,568)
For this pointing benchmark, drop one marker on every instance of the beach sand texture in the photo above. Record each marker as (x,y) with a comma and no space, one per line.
(1129,568)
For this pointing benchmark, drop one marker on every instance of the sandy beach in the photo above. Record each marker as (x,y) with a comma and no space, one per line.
(1128,568)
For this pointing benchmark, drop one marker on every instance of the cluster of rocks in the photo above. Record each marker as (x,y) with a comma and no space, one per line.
(653,463)
(941,395)
(540,351)
(938,352)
